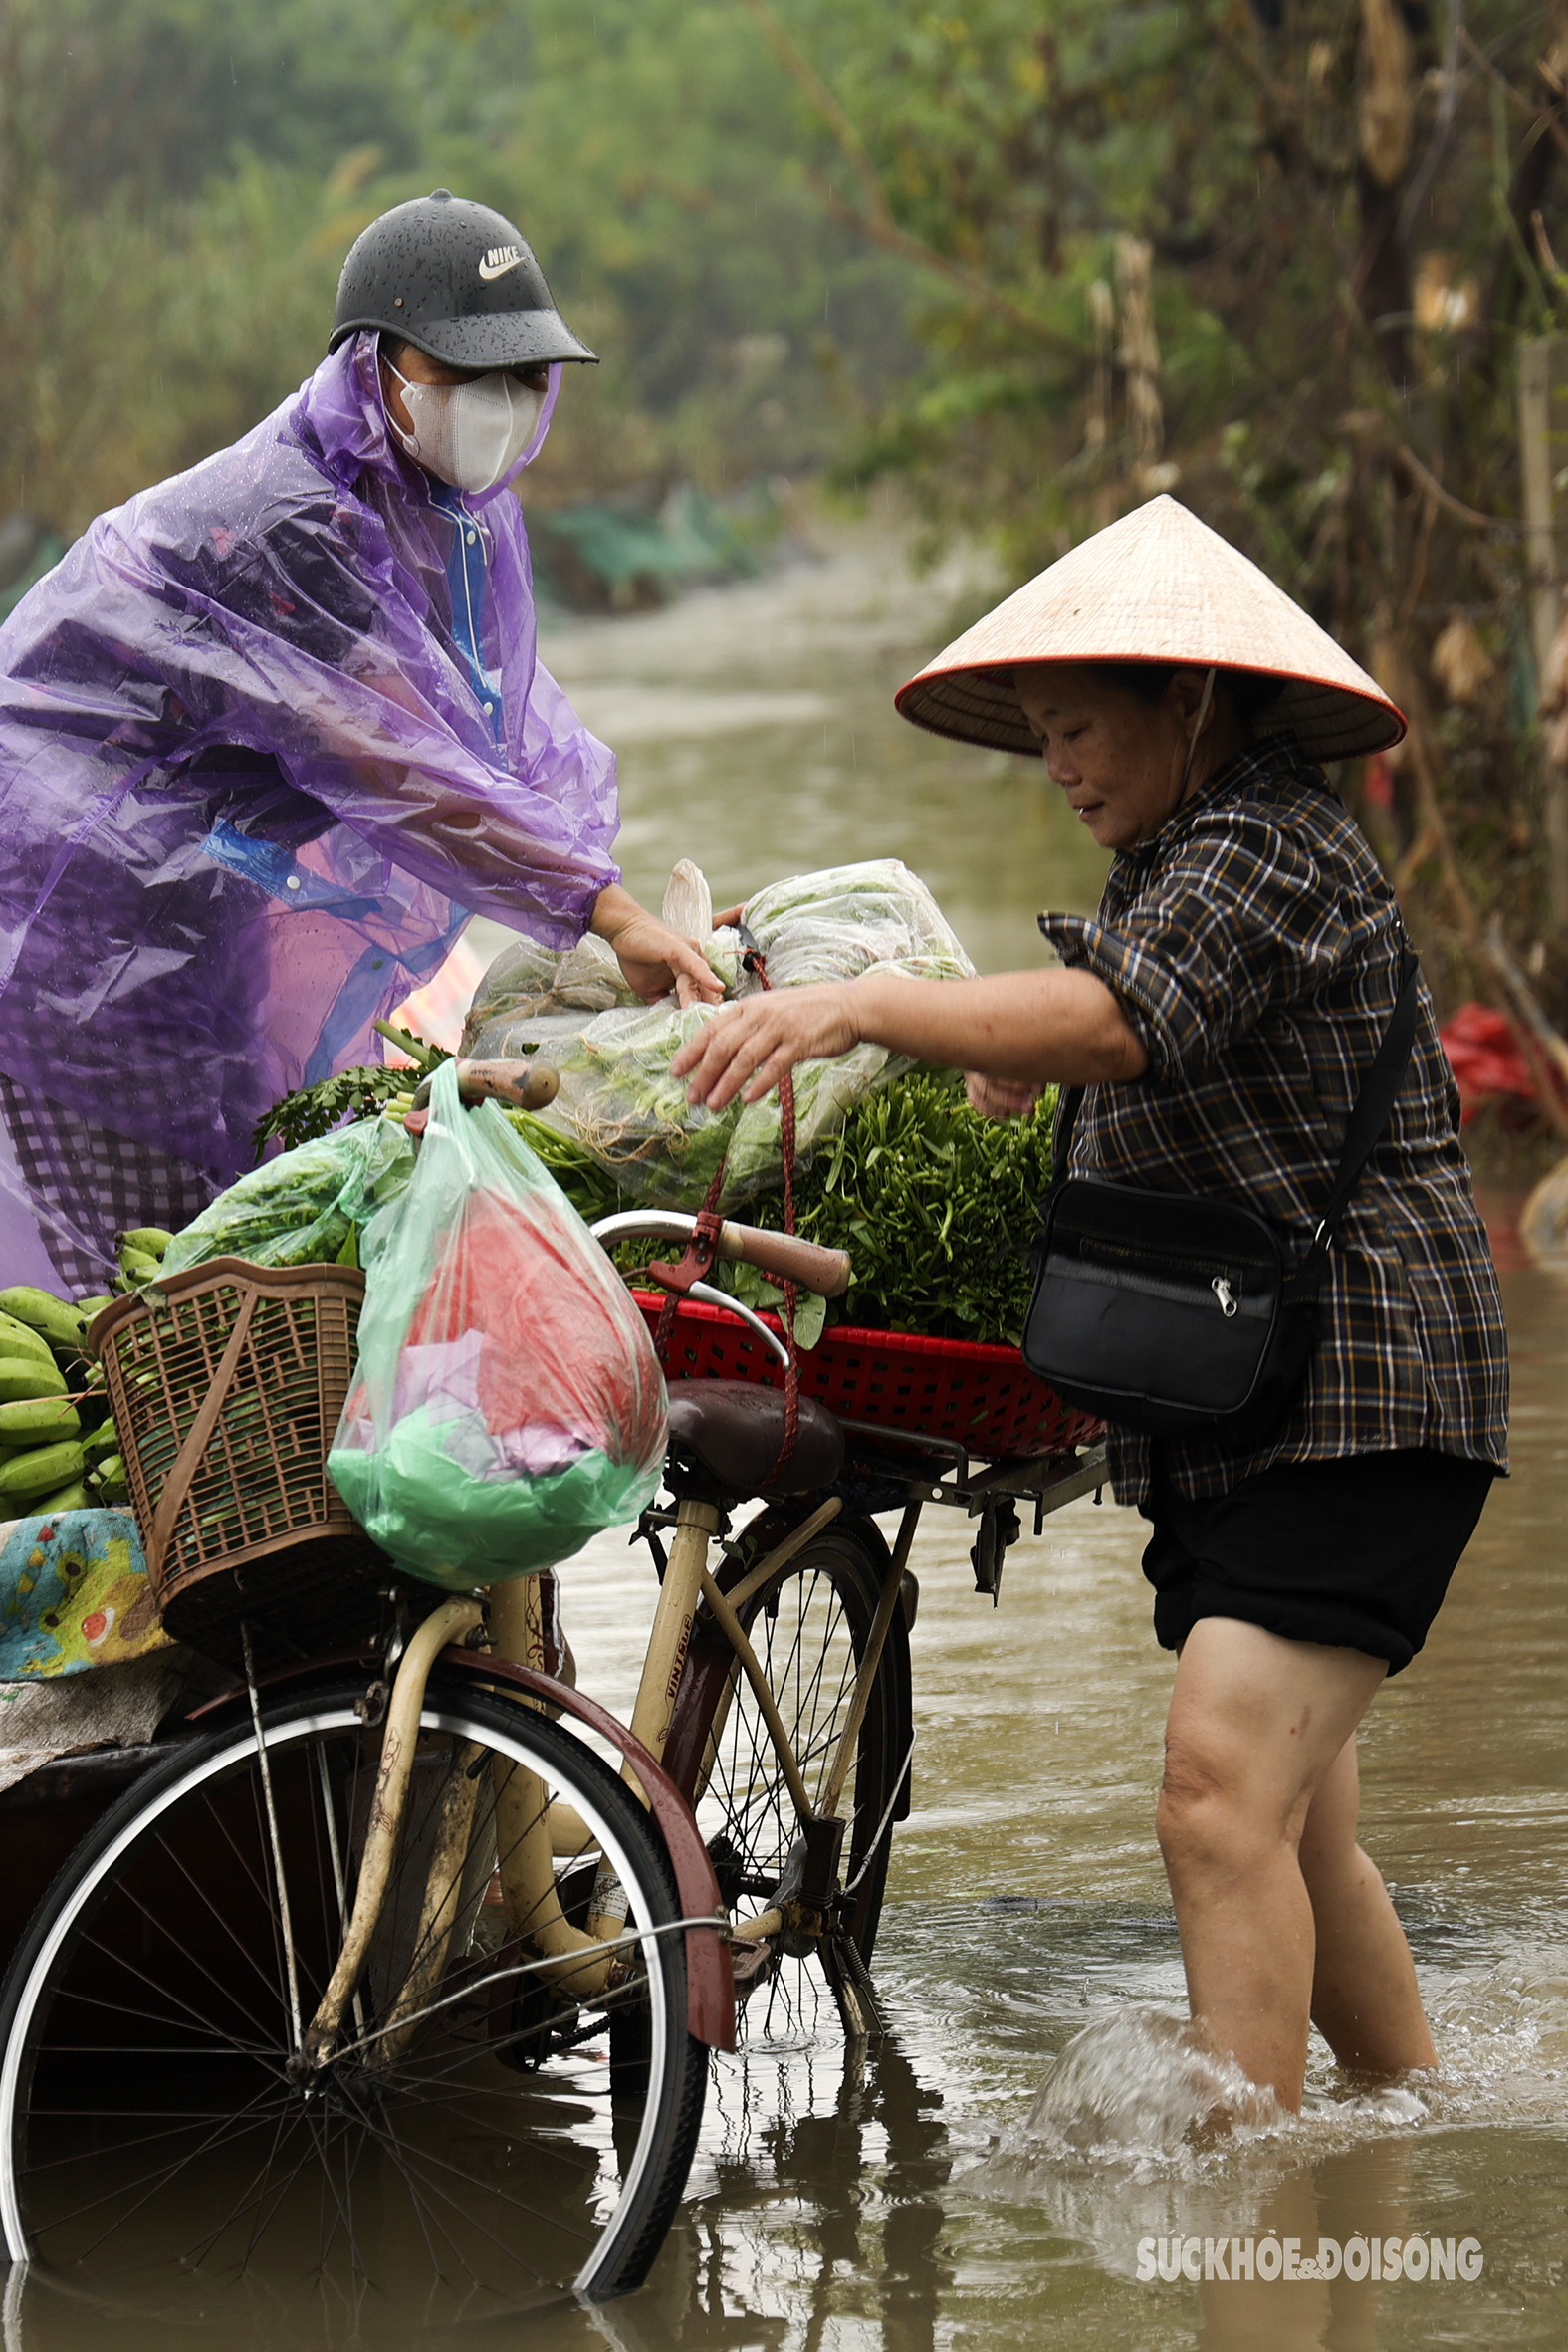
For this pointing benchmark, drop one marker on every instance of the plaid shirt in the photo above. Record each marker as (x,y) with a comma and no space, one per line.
(1254,945)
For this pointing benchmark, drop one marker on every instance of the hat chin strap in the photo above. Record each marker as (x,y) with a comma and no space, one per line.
(1197,726)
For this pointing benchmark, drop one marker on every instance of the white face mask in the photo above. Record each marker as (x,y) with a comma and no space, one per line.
(469,434)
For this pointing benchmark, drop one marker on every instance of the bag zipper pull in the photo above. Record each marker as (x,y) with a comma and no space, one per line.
(1222,1291)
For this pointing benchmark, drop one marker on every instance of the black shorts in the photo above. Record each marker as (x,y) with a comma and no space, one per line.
(1355,1554)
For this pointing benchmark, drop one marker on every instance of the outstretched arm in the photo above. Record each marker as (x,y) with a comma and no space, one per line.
(1022,1029)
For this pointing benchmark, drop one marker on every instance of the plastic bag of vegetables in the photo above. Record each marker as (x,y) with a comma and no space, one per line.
(530,995)
(837,924)
(619,1104)
(507,1404)
(304,1207)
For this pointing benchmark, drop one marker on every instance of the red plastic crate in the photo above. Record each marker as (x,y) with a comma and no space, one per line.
(985,1398)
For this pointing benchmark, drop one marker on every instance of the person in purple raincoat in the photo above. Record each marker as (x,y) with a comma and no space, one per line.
(270,733)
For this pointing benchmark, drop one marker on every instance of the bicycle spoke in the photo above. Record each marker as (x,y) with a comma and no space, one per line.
(179,2124)
(233,2127)
(481,2181)
(157,1922)
(808,1628)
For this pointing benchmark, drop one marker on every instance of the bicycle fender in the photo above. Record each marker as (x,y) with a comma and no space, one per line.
(710,1980)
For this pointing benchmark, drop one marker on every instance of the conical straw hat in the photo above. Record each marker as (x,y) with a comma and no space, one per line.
(1159,586)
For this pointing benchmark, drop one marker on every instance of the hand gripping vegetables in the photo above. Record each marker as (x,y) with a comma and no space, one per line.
(507,1404)
(618,1103)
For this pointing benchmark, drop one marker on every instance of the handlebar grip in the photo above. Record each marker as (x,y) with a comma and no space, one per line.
(526,1086)
(827,1272)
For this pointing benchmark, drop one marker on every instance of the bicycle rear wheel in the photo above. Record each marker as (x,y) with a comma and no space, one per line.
(808,1625)
(486,2161)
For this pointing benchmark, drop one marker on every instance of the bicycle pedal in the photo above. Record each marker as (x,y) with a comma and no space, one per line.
(748,1959)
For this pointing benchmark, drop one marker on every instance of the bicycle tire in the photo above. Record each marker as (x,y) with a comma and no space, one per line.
(809,1626)
(147,2009)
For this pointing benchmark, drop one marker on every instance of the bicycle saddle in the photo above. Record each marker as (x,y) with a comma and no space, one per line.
(734,1430)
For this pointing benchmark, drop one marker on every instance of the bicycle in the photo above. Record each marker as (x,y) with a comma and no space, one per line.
(396,1979)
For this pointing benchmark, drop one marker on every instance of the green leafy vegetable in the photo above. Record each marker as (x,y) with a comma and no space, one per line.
(302,1208)
(590,1191)
(934,1204)
(360,1093)
(315,1110)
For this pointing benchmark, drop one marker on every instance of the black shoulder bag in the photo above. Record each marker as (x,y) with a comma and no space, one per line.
(1182,1316)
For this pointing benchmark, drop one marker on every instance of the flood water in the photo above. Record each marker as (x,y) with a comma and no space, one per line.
(907,2208)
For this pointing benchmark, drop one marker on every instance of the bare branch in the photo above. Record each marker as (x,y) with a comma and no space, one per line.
(800,67)
(885,231)
(1544,117)
(1368,424)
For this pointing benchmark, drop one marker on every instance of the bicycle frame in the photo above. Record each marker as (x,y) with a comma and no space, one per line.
(687,1584)
(531,1836)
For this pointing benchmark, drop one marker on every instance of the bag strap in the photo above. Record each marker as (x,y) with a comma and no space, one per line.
(1369,1117)
(1068,1104)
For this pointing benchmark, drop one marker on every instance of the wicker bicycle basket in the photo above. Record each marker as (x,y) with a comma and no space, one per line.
(226,1385)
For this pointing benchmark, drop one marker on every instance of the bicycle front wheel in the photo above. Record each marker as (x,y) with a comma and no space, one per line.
(472,2149)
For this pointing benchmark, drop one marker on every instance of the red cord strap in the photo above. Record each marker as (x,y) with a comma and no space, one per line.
(757,962)
(692,1265)
(698,1256)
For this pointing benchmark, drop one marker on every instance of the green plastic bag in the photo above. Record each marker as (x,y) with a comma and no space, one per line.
(508,1403)
(305,1206)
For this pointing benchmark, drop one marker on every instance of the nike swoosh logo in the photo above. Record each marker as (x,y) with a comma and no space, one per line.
(499,269)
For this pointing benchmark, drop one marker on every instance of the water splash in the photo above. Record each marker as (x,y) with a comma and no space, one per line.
(1140,2132)
(1138,2083)
(1138,2090)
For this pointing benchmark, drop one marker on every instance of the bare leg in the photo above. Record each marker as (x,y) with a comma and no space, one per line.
(1364,1997)
(1256,1724)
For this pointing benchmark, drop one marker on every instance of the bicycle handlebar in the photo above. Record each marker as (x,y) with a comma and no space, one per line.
(826,1271)
(530,1085)
(525,1086)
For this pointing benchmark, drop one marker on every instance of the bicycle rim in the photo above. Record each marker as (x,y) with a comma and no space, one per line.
(808,1627)
(149,2129)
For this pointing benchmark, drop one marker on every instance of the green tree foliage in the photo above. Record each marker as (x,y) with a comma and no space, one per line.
(180,180)
(1275,257)
(176,185)
(653,157)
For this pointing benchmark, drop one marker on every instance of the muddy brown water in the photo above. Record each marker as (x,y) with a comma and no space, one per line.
(906,2206)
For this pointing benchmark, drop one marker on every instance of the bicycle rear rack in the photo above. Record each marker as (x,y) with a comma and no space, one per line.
(989,1492)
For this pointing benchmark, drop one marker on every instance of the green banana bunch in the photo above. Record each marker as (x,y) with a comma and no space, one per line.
(21,1378)
(19,1342)
(142,1253)
(38,1311)
(74,1496)
(43,1471)
(38,1421)
(50,1462)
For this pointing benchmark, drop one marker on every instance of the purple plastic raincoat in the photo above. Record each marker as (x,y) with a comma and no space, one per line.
(247,793)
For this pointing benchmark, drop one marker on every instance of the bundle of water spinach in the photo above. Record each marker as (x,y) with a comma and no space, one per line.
(935,1205)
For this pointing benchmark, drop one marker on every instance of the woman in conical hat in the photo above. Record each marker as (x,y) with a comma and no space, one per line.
(1221,1012)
